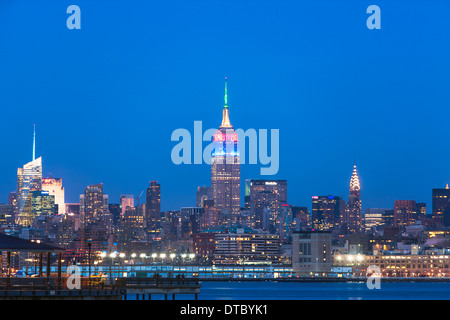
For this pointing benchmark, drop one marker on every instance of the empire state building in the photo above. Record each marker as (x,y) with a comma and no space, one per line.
(225,167)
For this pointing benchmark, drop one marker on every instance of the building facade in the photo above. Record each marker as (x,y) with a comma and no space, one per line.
(311,253)
(226,167)
(266,200)
(56,189)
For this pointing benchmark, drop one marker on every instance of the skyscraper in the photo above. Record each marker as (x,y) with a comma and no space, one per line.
(153,206)
(55,188)
(353,219)
(225,167)
(126,201)
(441,205)
(327,212)
(92,204)
(29,178)
(269,195)
(203,194)
(405,213)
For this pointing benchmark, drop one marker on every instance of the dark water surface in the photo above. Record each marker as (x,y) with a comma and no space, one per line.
(316,291)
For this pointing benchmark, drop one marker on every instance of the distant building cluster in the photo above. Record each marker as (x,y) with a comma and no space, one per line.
(334,238)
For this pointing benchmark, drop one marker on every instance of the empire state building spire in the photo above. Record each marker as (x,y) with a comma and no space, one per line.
(226,113)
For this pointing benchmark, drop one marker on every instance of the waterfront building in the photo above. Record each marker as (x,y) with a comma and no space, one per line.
(241,247)
(311,253)
(226,167)
(410,265)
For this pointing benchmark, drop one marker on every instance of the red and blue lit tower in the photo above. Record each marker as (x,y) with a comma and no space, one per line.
(225,167)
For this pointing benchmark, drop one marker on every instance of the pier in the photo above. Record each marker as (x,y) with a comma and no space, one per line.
(54,288)
(144,288)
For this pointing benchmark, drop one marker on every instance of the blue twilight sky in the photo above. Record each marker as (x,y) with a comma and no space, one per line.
(105,99)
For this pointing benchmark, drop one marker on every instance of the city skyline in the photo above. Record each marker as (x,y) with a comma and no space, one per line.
(355,184)
(336,93)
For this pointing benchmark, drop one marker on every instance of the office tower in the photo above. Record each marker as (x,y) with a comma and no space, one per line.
(225,167)
(247,205)
(405,213)
(269,195)
(153,206)
(285,222)
(374,218)
(131,226)
(353,220)
(92,204)
(210,216)
(421,210)
(126,201)
(65,231)
(55,188)
(327,212)
(114,209)
(302,218)
(6,214)
(29,178)
(441,206)
(12,201)
(311,253)
(73,209)
(388,218)
(189,221)
(203,194)
(42,204)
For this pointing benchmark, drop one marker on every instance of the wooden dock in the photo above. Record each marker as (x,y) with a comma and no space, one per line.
(144,288)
